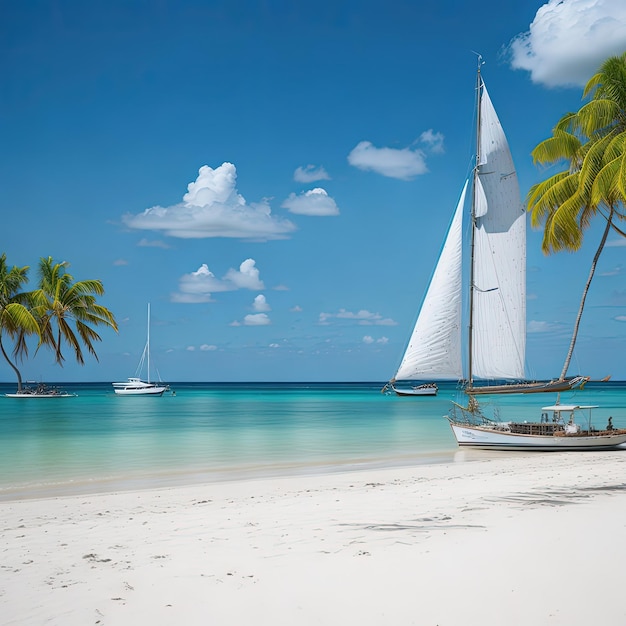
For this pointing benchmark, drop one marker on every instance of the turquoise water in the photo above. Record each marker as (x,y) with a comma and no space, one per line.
(99,441)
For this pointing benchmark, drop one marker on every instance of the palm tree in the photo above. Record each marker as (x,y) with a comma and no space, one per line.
(592,143)
(67,310)
(16,320)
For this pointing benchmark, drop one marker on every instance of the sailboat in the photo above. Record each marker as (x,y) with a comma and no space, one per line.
(497,315)
(496,345)
(134,386)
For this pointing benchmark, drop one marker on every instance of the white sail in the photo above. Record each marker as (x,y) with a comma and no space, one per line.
(499,298)
(434,349)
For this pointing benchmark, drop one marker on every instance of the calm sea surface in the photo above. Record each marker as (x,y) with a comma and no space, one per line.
(208,431)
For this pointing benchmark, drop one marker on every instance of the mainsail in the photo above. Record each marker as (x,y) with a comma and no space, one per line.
(498,287)
(434,349)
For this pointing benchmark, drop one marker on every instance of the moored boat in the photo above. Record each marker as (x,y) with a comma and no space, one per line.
(559,428)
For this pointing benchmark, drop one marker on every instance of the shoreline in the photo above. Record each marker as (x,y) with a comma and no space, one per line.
(165,479)
(518,539)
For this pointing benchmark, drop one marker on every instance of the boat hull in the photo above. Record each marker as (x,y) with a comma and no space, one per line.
(146,391)
(535,387)
(487,438)
(39,395)
(420,390)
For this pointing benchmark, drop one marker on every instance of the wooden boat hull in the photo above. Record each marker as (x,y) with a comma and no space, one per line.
(535,387)
(487,438)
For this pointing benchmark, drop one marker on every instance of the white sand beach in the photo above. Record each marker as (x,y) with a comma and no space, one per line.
(495,538)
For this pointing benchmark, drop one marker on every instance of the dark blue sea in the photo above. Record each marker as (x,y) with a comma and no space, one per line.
(97,441)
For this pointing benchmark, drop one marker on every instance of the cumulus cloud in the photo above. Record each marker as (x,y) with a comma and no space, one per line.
(246,277)
(314,202)
(369,339)
(362,317)
(212,207)
(620,318)
(569,39)
(198,286)
(205,347)
(403,163)
(260,304)
(310,174)
(256,319)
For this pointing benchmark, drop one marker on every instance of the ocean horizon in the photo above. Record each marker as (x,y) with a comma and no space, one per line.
(209,431)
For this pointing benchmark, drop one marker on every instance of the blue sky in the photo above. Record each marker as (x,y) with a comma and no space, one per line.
(276,178)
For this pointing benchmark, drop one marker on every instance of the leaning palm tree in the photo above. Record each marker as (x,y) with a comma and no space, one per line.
(592,144)
(16,319)
(67,311)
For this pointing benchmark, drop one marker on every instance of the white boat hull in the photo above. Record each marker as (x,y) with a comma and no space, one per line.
(137,387)
(39,395)
(420,390)
(487,438)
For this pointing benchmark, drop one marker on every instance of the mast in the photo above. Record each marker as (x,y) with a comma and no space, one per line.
(470,376)
(148,343)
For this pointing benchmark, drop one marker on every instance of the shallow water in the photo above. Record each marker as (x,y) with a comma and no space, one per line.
(207,431)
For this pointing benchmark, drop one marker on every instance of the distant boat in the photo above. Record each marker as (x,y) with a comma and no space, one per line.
(427,389)
(496,338)
(134,386)
(40,391)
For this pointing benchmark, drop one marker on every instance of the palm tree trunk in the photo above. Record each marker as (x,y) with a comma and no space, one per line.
(17,372)
(570,352)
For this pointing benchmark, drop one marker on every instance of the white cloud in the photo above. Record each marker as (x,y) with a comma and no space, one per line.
(256,319)
(569,39)
(362,317)
(314,202)
(199,285)
(247,277)
(403,163)
(190,348)
(120,262)
(616,271)
(620,318)
(616,243)
(274,345)
(381,340)
(157,243)
(310,174)
(296,309)
(433,139)
(205,347)
(260,304)
(535,326)
(212,207)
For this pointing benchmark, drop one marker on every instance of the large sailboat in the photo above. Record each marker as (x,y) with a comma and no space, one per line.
(496,341)
(134,386)
(497,316)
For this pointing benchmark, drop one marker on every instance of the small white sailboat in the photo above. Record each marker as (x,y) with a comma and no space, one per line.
(134,386)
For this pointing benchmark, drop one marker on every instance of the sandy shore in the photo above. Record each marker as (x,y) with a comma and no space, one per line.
(524,539)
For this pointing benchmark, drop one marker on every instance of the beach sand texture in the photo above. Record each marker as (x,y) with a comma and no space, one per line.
(495,539)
